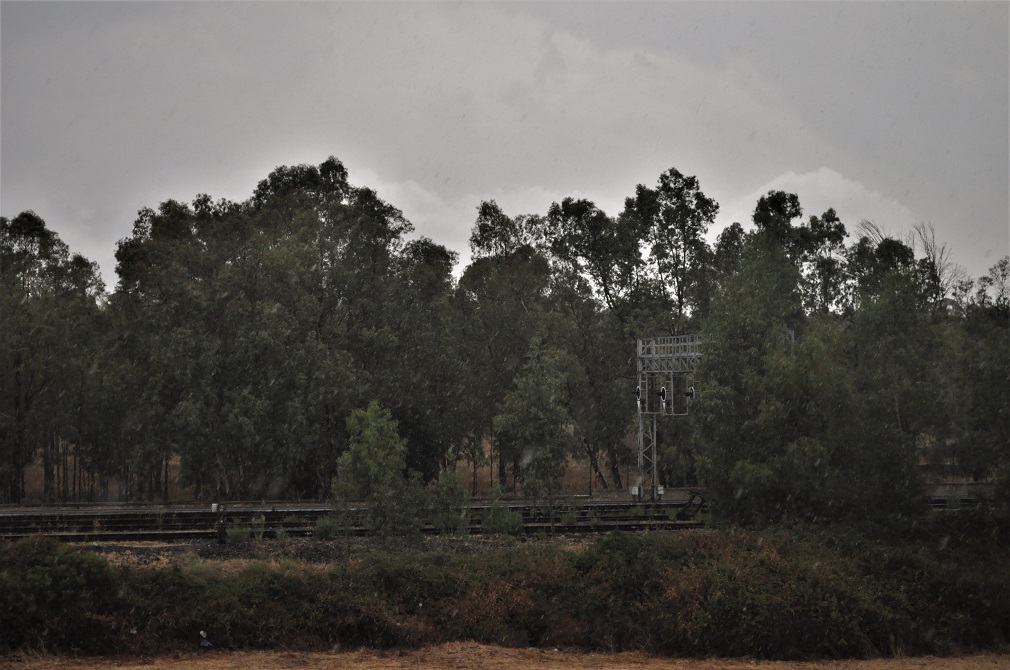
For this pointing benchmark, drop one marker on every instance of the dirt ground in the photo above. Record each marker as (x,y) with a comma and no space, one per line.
(463,656)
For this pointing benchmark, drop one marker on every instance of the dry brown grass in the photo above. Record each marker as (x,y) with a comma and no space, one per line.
(465,655)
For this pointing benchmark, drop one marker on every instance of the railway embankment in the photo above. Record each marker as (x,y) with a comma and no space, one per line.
(936,585)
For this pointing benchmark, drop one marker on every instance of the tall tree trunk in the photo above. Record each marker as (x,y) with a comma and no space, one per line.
(503,480)
(615,469)
(594,465)
(48,475)
(77,473)
(64,456)
(14,479)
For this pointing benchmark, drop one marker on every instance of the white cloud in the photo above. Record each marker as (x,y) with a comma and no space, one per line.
(449,221)
(452,104)
(825,188)
(553,115)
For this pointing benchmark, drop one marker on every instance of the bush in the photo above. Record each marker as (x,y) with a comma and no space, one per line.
(833,591)
(328,528)
(47,592)
(237,534)
(617,575)
(450,504)
(413,581)
(258,525)
(503,521)
(569,511)
(499,519)
(782,599)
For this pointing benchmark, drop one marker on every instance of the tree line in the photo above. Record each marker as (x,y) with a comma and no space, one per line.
(246,339)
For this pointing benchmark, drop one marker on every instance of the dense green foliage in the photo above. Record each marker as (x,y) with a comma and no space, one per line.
(826,592)
(371,469)
(244,338)
(52,597)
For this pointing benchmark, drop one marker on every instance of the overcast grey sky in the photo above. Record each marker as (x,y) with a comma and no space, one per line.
(894,112)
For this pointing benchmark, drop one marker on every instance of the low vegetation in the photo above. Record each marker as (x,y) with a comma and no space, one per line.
(932,586)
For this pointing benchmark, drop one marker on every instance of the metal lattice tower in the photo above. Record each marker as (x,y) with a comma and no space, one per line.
(662,363)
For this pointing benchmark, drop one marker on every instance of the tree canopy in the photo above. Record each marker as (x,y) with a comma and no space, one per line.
(263,345)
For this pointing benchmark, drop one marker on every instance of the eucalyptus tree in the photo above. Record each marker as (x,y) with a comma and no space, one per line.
(179,338)
(815,415)
(901,365)
(741,433)
(262,324)
(596,249)
(534,417)
(729,248)
(373,469)
(646,272)
(871,258)
(676,215)
(822,262)
(48,300)
(773,219)
(672,275)
(598,378)
(982,385)
(596,263)
(79,404)
(816,247)
(501,301)
(427,385)
(938,274)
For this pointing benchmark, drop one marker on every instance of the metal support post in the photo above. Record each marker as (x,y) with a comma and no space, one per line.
(660,361)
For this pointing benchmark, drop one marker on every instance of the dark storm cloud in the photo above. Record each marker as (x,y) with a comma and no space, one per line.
(895,112)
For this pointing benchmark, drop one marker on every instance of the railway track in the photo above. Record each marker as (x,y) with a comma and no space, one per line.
(102,523)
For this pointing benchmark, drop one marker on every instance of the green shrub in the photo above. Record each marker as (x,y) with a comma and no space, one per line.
(414,580)
(327,528)
(503,521)
(400,511)
(258,525)
(499,519)
(371,470)
(785,600)
(47,592)
(450,504)
(569,514)
(800,593)
(237,534)
(616,574)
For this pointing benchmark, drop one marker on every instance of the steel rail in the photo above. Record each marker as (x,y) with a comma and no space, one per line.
(162,522)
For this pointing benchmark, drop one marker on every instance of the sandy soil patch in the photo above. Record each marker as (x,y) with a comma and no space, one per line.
(463,656)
